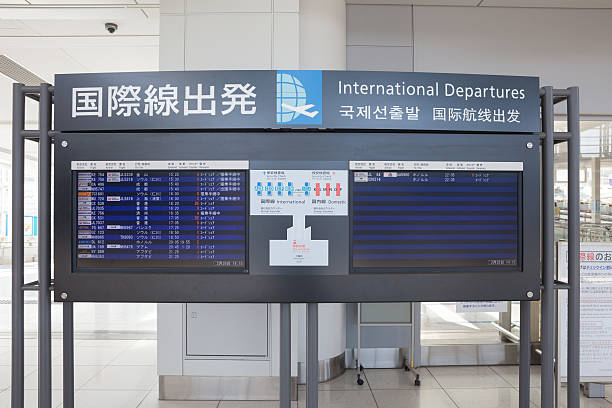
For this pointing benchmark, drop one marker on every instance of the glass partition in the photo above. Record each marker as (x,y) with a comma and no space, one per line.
(441,324)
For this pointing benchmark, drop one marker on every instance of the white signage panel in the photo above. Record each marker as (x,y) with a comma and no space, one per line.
(595,310)
(482,307)
(299,193)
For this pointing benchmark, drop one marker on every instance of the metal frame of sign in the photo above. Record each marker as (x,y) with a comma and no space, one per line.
(357,147)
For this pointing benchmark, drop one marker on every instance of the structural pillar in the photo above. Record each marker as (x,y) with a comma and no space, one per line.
(322,45)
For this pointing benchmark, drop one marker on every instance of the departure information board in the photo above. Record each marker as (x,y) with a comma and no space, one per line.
(159,214)
(436,215)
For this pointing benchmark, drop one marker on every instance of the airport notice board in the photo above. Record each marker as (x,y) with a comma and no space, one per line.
(247,186)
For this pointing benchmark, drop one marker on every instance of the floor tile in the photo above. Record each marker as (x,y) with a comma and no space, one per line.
(82,374)
(347,381)
(585,402)
(108,398)
(152,401)
(510,373)
(5,399)
(124,344)
(30,399)
(252,404)
(5,375)
(343,399)
(143,352)
(93,355)
(425,398)
(484,397)
(123,378)
(535,396)
(467,377)
(30,355)
(397,379)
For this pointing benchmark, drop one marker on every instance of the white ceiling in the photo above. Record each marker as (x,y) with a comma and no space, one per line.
(51,36)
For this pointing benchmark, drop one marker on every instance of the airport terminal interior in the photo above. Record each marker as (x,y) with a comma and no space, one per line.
(226,355)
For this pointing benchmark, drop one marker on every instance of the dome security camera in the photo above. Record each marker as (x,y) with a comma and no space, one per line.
(111,27)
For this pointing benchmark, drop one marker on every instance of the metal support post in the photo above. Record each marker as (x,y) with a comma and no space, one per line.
(415,342)
(312,355)
(68,343)
(573,263)
(285,355)
(525,350)
(416,334)
(44,250)
(548,251)
(17,306)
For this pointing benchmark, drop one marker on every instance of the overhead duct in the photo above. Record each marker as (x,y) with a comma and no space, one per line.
(18,73)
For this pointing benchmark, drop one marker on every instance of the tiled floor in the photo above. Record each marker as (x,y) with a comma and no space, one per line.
(88,317)
(122,374)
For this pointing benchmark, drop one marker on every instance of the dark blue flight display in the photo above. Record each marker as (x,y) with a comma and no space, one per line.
(436,219)
(160,218)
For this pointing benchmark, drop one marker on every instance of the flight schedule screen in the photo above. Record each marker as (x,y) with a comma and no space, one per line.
(436,219)
(137,215)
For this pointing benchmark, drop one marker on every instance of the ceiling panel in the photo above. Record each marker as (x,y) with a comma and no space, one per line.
(138,24)
(43,61)
(69,13)
(550,3)
(67,36)
(115,59)
(419,2)
(86,2)
(18,43)
(14,27)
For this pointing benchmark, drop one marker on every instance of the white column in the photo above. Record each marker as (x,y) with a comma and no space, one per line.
(258,34)
(323,34)
(229,34)
(224,34)
(323,46)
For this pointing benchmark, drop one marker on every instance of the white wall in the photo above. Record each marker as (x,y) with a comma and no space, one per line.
(565,47)
(379,37)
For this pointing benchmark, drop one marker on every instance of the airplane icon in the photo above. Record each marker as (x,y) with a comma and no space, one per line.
(302,110)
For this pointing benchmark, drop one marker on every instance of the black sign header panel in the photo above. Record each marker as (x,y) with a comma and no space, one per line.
(296,99)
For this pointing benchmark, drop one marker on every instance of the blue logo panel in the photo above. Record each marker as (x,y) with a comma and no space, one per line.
(299,97)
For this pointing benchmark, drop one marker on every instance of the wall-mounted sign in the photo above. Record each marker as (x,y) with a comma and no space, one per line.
(595,310)
(296,99)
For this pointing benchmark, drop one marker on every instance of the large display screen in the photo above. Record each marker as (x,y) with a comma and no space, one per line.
(436,219)
(141,216)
